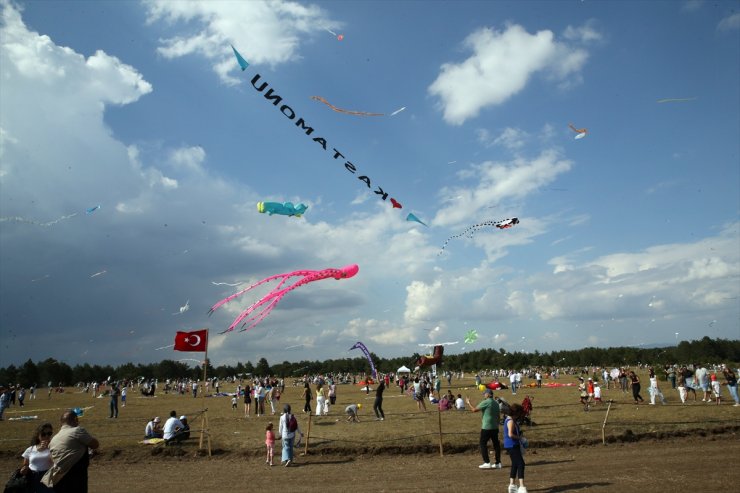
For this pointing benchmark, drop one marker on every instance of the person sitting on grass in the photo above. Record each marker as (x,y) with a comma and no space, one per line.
(172,428)
(153,428)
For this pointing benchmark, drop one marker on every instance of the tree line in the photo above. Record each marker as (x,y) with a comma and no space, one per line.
(705,350)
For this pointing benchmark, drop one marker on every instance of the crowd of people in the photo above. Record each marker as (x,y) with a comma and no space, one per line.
(59,462)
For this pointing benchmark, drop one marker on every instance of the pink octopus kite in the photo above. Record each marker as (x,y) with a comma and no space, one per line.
(274,296)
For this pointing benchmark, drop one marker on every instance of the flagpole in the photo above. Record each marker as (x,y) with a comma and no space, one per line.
(204,416)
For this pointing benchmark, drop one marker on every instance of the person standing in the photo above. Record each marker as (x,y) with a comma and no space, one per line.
(320,398)
(114,391)
(69,453)
(635,384)
(332,392)
(489,428)
(731,383)
(654,389)
(307,396)
(287,434)
(378,404)
(701,380)
(512,444)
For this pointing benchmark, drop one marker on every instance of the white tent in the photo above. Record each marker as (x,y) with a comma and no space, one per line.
(403,369)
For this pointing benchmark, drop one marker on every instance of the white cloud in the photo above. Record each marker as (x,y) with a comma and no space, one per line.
(729,23)
(692,5)
(263,31)
(586,33)
(500,182)
(501,65)
(510,138)
(189,158)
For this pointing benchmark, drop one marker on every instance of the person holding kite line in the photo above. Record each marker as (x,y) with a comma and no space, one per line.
(489,428)
(378,405)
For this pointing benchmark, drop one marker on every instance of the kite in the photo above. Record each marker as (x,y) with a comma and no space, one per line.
(340,37)
(285,208)
(19,219)
(361,347)
(98,273)
(581,132)
(242,62)
(470,230)
(183,308)
(274,296)
(434,359)
(675,100)
(232,284)
(396,204)
(398,111)
(471,336)
(412,217)
(92,209)
(340,110)
(276,100)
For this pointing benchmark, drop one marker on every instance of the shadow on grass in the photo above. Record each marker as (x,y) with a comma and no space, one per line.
(547,462)
(570,487)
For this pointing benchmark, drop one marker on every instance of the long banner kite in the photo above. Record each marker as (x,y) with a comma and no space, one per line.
(290,114)
(361,347)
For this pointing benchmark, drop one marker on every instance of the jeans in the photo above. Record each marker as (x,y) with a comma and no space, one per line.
(492,435)
(288,448)
(733,393)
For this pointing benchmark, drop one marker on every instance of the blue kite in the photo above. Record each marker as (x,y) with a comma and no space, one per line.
(242,62)
(412,217)
(284,209)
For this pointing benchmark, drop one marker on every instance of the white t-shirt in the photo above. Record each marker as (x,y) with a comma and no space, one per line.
(38,461)
(459,404)
(170,427)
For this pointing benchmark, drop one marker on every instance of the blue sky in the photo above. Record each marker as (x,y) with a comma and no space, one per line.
(626,237)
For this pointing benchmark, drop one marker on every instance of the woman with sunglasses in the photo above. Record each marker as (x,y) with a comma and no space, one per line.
(37,458)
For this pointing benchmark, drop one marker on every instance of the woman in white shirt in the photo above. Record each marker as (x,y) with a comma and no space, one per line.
(37,458)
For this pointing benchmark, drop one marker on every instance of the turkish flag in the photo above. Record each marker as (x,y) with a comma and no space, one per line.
(196,340)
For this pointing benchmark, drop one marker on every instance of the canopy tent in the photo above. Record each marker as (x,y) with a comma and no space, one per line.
(403,369)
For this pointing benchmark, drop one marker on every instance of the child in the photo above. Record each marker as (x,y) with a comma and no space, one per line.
(597,393)
(716,388)
(233,403)
(269,442)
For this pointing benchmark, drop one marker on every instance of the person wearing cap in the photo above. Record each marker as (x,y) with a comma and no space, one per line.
(185,432)
(69,453)
(489,428)
(153,428)
(352,410)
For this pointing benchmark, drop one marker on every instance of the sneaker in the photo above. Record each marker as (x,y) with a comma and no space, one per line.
(512,488)
(382,419)
(497,465)
(522,489)
(487,465)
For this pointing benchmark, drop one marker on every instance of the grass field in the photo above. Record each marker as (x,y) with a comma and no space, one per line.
(561,423)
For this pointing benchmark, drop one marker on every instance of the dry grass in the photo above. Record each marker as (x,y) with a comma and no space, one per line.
(559,417)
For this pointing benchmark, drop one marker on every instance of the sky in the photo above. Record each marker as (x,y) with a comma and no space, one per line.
(629,236)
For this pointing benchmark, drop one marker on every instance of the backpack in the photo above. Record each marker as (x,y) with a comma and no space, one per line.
(292,423)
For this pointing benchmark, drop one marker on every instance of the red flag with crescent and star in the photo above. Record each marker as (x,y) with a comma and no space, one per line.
(196,340)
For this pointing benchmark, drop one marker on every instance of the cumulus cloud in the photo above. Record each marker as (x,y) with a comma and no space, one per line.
(497,182)
(264,31)
(510,138)
(501,65)
(729,23)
